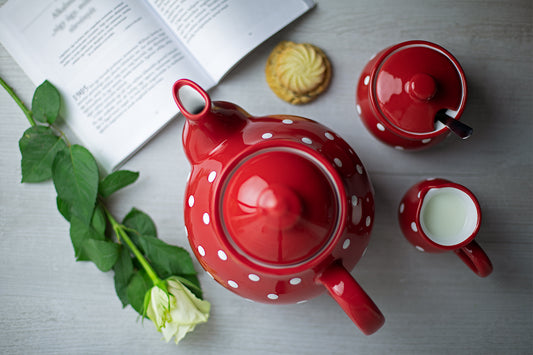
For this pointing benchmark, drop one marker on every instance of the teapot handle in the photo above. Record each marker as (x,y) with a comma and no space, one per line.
(193,101)
(352,298)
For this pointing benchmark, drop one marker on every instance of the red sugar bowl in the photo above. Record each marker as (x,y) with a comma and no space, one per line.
(410,95)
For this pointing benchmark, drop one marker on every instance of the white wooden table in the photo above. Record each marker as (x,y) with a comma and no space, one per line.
(432,303)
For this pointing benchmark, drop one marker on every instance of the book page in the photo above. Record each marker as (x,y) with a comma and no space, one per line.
(221,32)
(113,62)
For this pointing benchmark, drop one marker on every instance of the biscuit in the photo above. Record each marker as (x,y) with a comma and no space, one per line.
(297,72)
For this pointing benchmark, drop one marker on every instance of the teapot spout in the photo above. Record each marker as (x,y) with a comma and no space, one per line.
(208,124)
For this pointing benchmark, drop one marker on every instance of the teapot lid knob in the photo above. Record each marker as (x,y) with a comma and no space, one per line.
(280,206)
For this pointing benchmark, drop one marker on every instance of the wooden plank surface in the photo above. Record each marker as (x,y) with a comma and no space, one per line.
(52,305)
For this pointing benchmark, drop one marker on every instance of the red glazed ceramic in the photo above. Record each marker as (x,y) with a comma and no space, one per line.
(277,208)
(437,215)
(402,88)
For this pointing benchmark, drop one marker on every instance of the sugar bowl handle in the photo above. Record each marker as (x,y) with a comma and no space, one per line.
(352,298)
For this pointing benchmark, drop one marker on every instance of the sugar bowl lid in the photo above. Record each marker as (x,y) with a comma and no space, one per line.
(280,207)
(414,81)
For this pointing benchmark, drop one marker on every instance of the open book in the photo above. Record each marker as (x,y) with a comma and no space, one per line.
(115,61)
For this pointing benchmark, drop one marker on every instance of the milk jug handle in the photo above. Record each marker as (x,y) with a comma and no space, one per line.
(475,258)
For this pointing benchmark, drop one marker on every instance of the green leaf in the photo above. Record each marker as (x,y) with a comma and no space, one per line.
(46,103)
(141,222)
(89,241)
(139,284)
(63,208)
(104,254)
(99,222)
(80,232)
(75,176)
(116,181)
(167,260)
(123,273)
(39,146)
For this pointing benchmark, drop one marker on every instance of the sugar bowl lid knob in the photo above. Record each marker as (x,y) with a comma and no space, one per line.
(422,87)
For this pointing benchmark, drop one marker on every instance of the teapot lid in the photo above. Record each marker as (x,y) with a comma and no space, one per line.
(414,81)
(280,207)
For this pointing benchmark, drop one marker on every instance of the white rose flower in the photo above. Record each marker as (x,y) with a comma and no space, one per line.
(178,312)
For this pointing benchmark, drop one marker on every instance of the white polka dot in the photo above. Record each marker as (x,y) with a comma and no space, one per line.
(329,136)
(272,296)
(346,244)
(368,221)
(233,284)
(191,201)
(413,227)
(266,135)
(358,108)
(205,218)
(211,177)
(201,250)
(380,127)
(355,200)
(366,80)
(427,140)
(338,162)
(253,277)
(222,255)
(399,147)
(402,207)
(420,248)
(359,169)
(287,121)
(295,281)
(307,140)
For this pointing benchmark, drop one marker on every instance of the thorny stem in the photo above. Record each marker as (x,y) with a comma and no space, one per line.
(61,134)
(122,235)
(19,102)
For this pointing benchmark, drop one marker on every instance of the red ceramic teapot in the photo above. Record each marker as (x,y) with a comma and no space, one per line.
(277,208)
